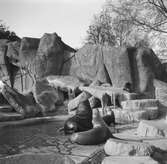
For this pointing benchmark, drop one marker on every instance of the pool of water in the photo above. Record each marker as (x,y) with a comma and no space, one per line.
(15,138)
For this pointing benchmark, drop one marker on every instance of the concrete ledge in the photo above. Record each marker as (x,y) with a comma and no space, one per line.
(125,116)
(156,128)
(142,104)
(127,148)
(129,160)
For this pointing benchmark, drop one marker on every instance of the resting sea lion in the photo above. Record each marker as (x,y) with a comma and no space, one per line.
(109,118)
(81,121)
(99,134)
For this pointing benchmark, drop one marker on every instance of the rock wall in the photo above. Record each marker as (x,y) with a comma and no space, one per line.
(87,64)
(49,57)
(118,65)
(114,65)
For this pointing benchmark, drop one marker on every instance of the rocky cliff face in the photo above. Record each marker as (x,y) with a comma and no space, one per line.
(117,66)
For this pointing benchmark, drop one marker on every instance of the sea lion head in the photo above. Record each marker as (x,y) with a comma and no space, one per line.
(84,109)
(70,127)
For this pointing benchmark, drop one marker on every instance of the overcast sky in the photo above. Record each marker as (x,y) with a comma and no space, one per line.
(69,18)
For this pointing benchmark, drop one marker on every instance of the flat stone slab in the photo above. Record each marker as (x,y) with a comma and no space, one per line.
(128,148)
(129,160)
(141,104)
(64,82)
(99,91)
(153,128)
(125,116)
(10,116)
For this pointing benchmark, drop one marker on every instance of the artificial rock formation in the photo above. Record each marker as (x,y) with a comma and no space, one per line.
(136,105)
(118,66)
(125,116)
(154,128)
(28,50)
(47,96)
(49,57)
(124,148)
(87,65)
(23,104)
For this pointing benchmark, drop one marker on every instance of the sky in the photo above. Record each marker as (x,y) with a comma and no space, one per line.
(68,18)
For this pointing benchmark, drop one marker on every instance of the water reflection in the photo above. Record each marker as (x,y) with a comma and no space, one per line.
(13,139)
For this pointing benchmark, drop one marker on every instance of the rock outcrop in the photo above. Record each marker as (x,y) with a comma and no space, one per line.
(49,58)
(47,96)
(88,65)
(119,66)
(28,50)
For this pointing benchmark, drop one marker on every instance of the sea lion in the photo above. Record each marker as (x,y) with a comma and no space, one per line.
(98,135)
(109,118)
(81,121)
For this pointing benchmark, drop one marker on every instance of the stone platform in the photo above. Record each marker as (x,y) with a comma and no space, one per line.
(152,128)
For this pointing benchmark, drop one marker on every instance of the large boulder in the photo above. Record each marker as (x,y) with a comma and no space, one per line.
(118,65)
(28,50)
(87,64)
(137,66)
(50,55)
(13,52)
(145,67)
(47,96)
(3,72)
(8,69)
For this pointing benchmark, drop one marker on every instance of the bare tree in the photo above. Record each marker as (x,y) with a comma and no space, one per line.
(149,15)
(100,31)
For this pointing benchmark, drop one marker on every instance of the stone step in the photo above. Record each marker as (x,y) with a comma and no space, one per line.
(129,160)
(129,96)
(125,116)
(6,108)
(135,105)
(10,116)
(115,147)
(155,128)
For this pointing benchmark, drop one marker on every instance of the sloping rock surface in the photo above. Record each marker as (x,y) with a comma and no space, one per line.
(126,148)
(49,58)
(155,128)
